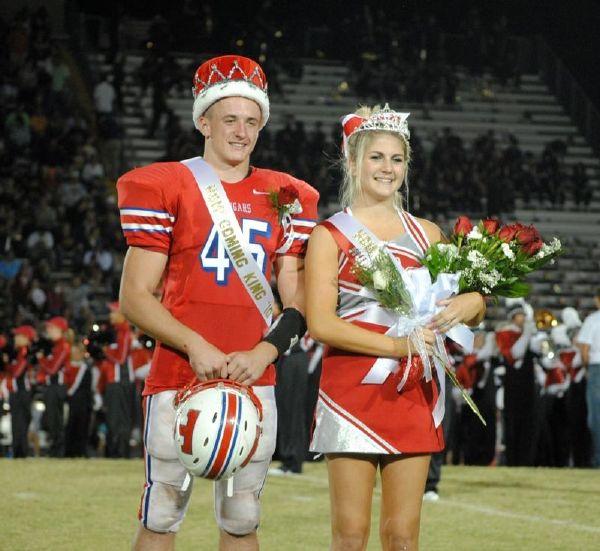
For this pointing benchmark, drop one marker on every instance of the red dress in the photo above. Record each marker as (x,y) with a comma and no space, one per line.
(352,417)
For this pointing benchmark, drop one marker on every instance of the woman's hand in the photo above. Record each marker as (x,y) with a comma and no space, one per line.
(465,308)
(403,346)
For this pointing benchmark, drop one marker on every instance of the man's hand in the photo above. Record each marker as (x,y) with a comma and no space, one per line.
(247,366)
(207,361)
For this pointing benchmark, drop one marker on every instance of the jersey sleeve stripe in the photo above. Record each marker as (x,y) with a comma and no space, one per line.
(146,227)
(146,213)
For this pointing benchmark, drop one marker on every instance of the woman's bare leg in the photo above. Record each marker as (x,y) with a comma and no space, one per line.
(403,480)
(351,481)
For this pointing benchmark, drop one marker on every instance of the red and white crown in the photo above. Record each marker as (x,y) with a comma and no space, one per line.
(227,76)
(383,120)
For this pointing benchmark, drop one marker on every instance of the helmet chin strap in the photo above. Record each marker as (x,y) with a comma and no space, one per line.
(186,482)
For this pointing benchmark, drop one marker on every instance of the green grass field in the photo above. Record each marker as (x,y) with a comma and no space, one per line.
(91,505)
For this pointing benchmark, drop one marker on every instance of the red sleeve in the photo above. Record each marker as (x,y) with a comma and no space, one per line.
(148,206)
(100,377)
(70,374)
(140,357)
(465,373)
(60,356)
(17,367)
(303,222)
(505,339)
(119,355)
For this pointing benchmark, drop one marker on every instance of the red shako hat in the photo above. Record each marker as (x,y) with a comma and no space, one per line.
(228,76)
(27,331)
(60,322)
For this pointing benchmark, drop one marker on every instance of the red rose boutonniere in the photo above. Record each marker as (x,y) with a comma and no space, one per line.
(286,200)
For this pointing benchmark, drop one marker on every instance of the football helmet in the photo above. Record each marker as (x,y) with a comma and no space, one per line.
(218,426)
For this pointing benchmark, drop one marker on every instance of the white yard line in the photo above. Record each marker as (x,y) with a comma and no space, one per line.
(485,510)
(517,516)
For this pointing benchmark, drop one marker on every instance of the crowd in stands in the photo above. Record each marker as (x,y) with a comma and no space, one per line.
(56,215)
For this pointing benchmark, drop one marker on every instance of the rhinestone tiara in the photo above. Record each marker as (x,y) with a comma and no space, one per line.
(386,119)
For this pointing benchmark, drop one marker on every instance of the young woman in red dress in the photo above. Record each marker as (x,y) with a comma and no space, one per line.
(365,427)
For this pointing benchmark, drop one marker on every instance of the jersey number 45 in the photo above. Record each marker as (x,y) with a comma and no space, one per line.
(214,257)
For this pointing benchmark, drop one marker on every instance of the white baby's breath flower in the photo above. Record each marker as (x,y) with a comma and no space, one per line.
(549,248)
(490,279)
(449,249)
(474,234)
(379,280)
(477,260)
(508,253)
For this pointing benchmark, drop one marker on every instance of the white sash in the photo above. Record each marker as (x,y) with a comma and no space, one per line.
(424,296)
(230,233)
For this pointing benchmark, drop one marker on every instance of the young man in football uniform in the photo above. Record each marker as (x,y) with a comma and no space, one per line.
(213,229)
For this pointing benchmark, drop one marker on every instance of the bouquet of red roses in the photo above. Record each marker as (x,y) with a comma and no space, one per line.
(490,258)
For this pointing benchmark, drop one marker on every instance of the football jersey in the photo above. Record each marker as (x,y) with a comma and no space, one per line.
(163,210)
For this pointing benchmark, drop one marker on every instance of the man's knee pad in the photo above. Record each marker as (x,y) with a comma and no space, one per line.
(238,515)
(164,506)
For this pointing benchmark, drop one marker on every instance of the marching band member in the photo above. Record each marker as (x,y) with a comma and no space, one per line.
(118,382)
(51,373)
(568,358)
(18,384)
(476,372)
(365,427)
(553,450)
(521,395)
(78,378)
(564,337)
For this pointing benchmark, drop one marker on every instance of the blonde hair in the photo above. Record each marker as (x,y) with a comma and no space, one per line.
(352,163)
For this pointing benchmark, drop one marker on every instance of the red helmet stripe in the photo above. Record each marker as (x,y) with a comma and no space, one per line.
(226,439)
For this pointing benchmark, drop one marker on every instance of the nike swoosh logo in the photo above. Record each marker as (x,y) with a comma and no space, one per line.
(256,192)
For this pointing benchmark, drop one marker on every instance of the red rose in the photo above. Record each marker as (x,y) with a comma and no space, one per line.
(508,232)
(491,225)
(532,247)
(527,234)
(287,195)
(463,225)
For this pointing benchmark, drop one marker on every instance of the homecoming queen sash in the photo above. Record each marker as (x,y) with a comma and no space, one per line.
(230,233)
(424,295)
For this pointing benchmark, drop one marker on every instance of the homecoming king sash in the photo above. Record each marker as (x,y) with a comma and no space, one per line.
(230,233)
(424,295)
